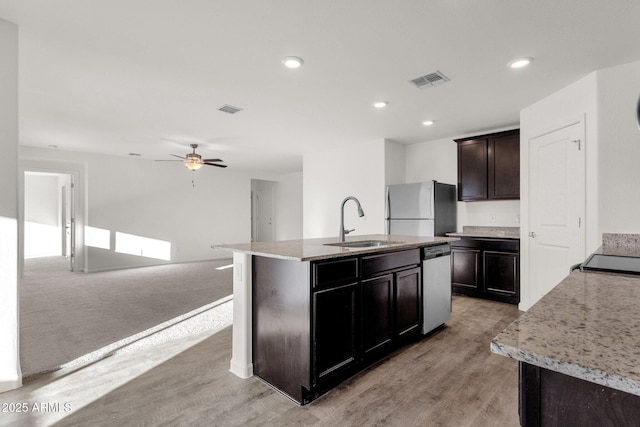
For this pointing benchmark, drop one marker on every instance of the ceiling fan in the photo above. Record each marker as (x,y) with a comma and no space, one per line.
(194,161)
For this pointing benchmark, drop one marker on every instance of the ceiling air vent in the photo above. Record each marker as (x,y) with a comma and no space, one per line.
(433,79)
(230,109)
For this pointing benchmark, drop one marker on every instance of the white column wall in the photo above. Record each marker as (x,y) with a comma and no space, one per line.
(10,374)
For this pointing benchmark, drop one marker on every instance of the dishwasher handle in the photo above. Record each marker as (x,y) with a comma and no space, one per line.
(436,252)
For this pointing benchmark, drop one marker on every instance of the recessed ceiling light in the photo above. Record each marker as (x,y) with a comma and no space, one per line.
(292,62)
(520,62)
(53,147)
(428,122)
(380,104)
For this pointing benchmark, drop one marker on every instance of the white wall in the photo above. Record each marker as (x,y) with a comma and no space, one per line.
(288,207)
(438,160)
(158,200)
(330,176)
(10,374)
(395,165)
(619,149)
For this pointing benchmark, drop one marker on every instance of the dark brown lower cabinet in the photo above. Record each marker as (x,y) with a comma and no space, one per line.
(465,272)
(391,310)
(486,268)
(335,323)
(377,312)
(317,323)
(408,303)
(552,399)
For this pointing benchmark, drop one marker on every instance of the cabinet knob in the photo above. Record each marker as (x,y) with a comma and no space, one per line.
(532,234)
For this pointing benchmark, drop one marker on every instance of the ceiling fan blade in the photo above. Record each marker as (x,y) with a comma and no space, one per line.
(215,164)
(175,155)
(168,160)
(211,160)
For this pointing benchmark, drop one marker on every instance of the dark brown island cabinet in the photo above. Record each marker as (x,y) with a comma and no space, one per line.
(552,399)
(489,166)
(316,323)
(486,268)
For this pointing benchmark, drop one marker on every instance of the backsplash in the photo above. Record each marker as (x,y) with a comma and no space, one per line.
(618,240)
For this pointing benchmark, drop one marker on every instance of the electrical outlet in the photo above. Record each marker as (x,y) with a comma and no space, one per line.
(492,218)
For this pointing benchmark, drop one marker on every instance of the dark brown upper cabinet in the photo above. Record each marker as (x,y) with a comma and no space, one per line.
(489,166)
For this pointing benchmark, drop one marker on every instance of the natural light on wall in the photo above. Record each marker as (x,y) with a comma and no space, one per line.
(41,240)
(143,246)
(97,237)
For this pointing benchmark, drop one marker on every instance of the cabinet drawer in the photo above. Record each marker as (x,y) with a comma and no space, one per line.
(488,244)
(502,245)
(374,264)
(336,271)
(467,243)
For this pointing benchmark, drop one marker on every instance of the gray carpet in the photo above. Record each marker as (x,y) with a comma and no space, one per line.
(65,315)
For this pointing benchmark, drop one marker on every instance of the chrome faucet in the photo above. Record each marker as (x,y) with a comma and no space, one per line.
(344,232)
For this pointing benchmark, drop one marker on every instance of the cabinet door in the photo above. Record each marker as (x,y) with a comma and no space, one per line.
(472,170)
(408,302)
(504,166)
(501,276)
(335,331)
(465,269)
(377,312)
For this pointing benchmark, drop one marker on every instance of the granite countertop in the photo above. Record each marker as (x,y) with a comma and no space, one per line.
(317,249)
(587,327)
(488,232)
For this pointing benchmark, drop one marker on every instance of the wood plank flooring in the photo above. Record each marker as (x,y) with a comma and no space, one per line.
(447,379)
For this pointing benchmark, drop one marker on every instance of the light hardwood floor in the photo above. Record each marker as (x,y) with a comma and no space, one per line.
(447,379)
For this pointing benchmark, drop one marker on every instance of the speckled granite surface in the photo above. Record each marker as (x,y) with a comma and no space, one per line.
(587,327)
(317,249)
(620,244)
(488,232)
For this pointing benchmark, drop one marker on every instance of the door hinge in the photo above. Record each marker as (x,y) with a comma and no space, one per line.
(579,222)
(577,141)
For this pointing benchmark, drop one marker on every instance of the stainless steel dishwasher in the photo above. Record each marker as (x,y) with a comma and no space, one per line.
(436,286)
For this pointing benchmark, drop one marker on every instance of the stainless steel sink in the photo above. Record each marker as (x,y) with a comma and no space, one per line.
(363,244)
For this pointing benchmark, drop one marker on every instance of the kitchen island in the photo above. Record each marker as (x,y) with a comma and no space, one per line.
(579,353)
(309,313)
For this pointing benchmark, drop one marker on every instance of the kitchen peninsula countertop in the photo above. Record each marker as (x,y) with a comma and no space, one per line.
(320,248)
(587,327)
(488,232)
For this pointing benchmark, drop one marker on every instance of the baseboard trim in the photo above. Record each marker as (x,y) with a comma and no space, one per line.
(7,385)
(241,370)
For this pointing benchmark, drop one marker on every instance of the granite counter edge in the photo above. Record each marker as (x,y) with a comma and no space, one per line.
(567,368)
(348,252)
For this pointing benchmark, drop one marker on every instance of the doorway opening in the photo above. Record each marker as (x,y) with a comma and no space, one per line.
(49,216)
(262,210)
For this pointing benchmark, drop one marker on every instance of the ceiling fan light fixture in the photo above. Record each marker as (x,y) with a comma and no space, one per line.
(193,165)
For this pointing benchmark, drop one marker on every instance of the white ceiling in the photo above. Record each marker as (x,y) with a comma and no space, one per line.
(147,76)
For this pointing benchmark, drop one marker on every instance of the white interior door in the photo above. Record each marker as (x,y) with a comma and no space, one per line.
(556,206)
(69,224)
(264,215)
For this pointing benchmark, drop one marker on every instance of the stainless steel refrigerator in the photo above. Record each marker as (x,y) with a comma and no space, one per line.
(421,209)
